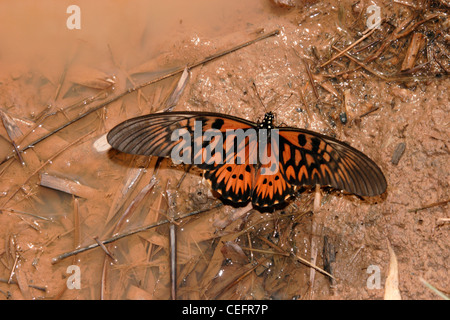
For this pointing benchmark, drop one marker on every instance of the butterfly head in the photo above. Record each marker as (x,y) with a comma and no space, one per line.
(267,121)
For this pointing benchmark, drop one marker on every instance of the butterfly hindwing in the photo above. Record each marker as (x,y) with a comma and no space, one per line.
(234,179)
(232,182)
(271,188)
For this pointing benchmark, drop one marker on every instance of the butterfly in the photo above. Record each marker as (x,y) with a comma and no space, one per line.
(242,166)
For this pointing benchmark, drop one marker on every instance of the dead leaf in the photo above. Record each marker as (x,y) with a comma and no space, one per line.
(23,284)
(234,253)
(68,186)
(172,100)
(12,129)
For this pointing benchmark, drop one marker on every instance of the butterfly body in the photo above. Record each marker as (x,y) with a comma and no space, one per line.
(246,161)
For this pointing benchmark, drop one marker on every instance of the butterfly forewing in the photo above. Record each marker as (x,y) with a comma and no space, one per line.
(156,135)
(309,158)
(148,135)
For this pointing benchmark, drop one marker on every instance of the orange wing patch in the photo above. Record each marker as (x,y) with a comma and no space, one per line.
(233,182)
(271,189)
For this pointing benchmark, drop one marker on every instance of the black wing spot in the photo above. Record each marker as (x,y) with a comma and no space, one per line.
(217,124)
(315,144)
(302,140)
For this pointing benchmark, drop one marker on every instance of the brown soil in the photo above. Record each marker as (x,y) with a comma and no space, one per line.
(71,189)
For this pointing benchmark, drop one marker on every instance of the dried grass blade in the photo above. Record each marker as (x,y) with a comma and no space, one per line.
(177,92)
(391,291)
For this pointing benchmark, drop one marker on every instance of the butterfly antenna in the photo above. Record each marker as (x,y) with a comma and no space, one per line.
(282,104)
(259,97)
(287,99)
(262,104)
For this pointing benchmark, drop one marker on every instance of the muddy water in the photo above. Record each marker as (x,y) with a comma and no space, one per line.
(73,190)
(39,33)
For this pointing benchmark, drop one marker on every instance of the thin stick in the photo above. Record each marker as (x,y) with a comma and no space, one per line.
(373,109)
(239,278)
(25,213)
(173,260)
(432,288)
(355,255)
(16,150)
(441,203)
(362,65)
(134,204)
(184,175)
(167,75)
(223,53)
(76,223)
(61,80)
(443,220)
(309,264)
(172,244)
(349,47)
(129,233)
(311,79)
(41,288)
(265,251)
(366,46)
(13,269)
(108,253)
